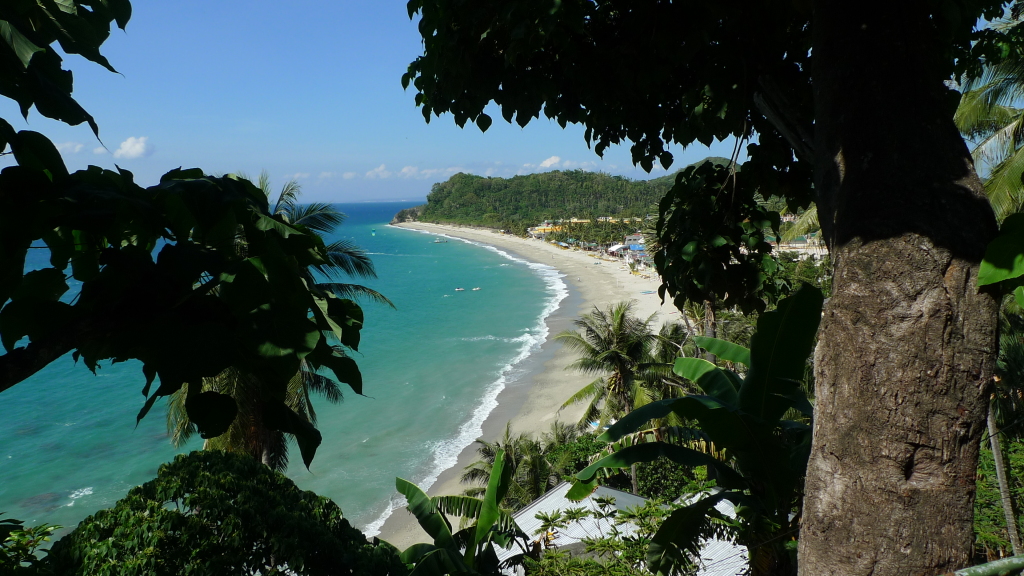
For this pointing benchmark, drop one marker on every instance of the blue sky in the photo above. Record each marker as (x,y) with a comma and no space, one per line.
(306,90)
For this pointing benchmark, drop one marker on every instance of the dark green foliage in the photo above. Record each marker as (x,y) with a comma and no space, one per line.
(712,243)
(190,276)
(219,513)
(20,548)
(524,201)
(991,540)
(759,458)
(665,480)
(571,457)
(469,551)
(813,270)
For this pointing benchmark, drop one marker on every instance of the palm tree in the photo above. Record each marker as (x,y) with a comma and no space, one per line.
(532,473)
(618,347)
(989,116)
(247,433)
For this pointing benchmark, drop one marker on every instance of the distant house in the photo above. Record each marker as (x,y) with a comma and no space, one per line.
(717,557)
(634,239)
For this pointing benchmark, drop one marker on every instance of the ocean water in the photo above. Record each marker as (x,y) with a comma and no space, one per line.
(432,369)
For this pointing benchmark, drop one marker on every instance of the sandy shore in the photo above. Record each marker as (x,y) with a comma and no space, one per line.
(531,403)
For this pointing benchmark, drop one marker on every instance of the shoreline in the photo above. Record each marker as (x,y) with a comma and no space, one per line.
(530,402)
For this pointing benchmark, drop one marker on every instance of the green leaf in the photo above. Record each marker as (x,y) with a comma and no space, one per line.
(1018,295)
(23,48)
(416,552)
(724,349)
(648,452)
(278,416)
(712,380)
(45,284)
(483,121)
(211,412)
(420,505)
(581,490)
(778,354)
(35,319)
(681,536)
(35,152)
(497,487)
(1004,256)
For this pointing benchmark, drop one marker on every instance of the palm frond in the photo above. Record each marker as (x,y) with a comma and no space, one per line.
(355,291)
(345,257)
(320,217)
(804,224)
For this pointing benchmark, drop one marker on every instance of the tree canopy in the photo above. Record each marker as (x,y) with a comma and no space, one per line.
(190,276)
(845,103)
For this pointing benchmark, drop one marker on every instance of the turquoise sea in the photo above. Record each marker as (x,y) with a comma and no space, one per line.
(432,370)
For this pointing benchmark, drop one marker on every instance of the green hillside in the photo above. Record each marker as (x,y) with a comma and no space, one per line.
(522,201)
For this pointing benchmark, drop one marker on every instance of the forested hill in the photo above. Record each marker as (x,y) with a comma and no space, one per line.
(522,201)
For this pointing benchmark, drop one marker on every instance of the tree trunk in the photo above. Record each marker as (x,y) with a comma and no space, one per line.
(1004,486)
(710,328)
(907,341)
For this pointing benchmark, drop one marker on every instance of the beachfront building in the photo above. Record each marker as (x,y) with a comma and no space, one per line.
(717,557)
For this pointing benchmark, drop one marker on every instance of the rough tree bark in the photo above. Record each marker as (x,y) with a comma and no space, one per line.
(907,341)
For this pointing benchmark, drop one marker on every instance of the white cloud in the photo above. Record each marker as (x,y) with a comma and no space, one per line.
(70,147)
(409,172)
(554,160)
(325,176)
(349,175)
(99,150)
(379,172)
(133,148)
(297,176)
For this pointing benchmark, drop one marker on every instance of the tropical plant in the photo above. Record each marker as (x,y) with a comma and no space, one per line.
(20,546)
(759,458)
(530,474)
(214,512)
(162,277)
(470,550)
(990,116)
(618,347)
(250,432)
(812,99)
(537,464)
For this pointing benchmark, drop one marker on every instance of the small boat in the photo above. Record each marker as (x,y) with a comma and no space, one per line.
(460,289)
(439,241)
(475,289)
(373,231)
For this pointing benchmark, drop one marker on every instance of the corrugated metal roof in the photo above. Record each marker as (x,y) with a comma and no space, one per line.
(717,557)
(576,531)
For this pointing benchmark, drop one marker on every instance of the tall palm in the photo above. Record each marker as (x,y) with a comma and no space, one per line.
(617,347)
(532,473)
(990,116)
(247,433)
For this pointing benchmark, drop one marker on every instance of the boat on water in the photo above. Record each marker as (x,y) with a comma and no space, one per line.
(460,289)
(475,289)
(439,241)
(373,231)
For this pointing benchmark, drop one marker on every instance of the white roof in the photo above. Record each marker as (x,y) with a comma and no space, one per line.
(616,247)
(575,532)
(717,557)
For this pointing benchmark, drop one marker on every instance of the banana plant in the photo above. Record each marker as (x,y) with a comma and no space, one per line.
(471,550)
(760,457)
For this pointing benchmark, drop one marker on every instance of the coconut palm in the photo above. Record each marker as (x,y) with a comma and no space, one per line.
(532,473)
(618,347)
(247,433)
(990,116)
